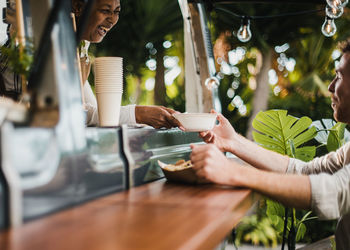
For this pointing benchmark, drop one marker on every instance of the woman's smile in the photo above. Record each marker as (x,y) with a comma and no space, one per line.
(102,30)
(104,16)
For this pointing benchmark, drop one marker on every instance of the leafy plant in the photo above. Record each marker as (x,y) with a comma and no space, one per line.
(19,60)
(257,230)
(331,134)
(277,131)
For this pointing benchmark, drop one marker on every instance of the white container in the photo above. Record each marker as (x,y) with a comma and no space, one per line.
(108,104)
(196,122)
(100,89)
(108,72)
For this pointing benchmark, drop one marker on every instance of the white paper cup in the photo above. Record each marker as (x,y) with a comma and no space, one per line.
(108,89)
(110,83)
(102,86)
(108,72)
(108,104)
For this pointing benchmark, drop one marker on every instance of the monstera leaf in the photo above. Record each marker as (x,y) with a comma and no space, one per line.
(285,134)
(332,134)
(336,137)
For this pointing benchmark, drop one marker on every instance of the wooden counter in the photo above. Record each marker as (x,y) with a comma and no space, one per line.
(159,215)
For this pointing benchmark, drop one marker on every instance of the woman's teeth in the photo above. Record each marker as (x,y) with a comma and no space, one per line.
(102,30)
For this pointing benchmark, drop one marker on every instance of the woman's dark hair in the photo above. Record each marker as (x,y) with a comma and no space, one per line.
(77,8)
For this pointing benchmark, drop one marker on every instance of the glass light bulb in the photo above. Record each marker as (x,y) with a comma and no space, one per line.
(334,12)
(244,34)
(212,83)
(328,28)
(337,3)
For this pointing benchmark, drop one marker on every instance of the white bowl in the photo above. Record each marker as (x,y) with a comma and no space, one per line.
(196,122)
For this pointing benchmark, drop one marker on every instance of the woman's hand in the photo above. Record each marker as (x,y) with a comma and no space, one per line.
(211,164)
(222,135)
(156,116)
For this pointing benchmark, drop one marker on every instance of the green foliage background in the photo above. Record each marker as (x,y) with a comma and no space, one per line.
(303,91)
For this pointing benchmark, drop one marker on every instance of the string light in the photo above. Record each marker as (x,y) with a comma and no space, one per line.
(333,12)
(212,83)
(337,3)
(244,34)
(328,28)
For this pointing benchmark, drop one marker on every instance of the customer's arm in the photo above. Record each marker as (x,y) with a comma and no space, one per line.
(330,163)
(227,139)
(258,156)
(210,164)
(291,190)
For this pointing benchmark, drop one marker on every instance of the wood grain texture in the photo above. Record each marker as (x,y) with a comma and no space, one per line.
(158,215)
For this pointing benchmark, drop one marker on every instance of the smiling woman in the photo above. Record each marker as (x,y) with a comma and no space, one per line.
(103,17)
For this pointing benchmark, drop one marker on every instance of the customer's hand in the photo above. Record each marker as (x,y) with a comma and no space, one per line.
(156,116)
(211,164)
(222,135)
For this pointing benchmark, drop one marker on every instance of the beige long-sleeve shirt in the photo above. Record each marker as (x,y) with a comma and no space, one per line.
(330,189)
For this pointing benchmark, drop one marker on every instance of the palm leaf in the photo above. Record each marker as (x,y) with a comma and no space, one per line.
(280,132)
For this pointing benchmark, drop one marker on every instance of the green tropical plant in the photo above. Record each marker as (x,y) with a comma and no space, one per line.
(277,131)
(330,134)
(280,132)
(257,230)
(336,137)
(18,59)
(285,134)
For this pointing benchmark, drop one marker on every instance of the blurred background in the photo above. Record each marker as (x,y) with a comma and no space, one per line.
(287,64)
(149,35)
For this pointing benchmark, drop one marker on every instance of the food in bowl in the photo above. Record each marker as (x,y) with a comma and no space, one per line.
(179,165)
(181,171)
(196,122)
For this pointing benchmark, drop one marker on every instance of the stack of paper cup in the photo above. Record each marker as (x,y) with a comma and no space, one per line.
(109,89)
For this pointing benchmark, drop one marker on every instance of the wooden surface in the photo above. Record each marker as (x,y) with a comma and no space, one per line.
(158,215)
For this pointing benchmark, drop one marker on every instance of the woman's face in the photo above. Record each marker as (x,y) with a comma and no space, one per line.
(104,16)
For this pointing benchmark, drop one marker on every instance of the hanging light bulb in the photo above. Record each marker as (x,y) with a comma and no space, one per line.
(337,3)
(333,12)
(212,83)
(244,34)
(328,28)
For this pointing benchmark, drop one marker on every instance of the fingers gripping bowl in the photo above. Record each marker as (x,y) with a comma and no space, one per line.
(196,122)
